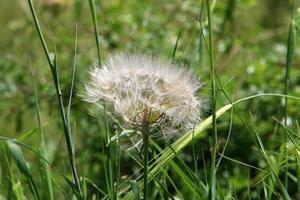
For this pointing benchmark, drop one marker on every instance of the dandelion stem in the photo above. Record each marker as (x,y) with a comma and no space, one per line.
(145,154)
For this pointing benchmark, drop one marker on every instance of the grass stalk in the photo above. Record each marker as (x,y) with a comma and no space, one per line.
(289,62)
(94,17)
(73,78)
(109,170)
(176,45)
(67,131)
(43,150)
(268,162)
(212,191)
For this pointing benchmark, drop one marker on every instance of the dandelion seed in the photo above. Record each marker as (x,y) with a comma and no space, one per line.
(143,91)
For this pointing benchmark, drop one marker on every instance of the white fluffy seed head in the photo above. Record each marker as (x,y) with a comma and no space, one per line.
(146,91)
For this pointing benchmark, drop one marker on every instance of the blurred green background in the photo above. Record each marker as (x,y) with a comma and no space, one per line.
(250,43)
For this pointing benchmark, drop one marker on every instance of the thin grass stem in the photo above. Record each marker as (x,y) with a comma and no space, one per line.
(212,191)
(289,61)
(94,17)
(43,150)
(52,61)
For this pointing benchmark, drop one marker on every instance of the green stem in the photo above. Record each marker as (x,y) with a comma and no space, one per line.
(212,192)
(67,131)
(145,154)
(94,17)
(45,168)
(289,62)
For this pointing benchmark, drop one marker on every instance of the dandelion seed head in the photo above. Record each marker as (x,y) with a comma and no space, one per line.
(142,90)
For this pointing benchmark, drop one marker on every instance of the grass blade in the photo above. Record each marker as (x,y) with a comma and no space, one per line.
(212,191)
(289,62)
(22,165)
(135,190)
(46,176)
(52,61)
(265,156)
(94,17)
(176,45)
(73,79)
(201,191)
(170,152)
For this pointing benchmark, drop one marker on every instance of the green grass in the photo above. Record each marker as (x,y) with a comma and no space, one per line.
(212,191)
(289,60)
(55,146)
(52,61)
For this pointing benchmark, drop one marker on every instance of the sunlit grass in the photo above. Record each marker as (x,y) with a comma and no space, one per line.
(246,146)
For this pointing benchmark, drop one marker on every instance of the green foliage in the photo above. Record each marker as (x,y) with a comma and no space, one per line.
(17,154)
(243,48)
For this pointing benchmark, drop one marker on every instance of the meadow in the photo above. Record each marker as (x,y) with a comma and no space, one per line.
(55,145)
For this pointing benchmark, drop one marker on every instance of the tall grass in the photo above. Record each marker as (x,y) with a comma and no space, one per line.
(271,174)
(52,62)
(170,152)
(48,189)
(212,191)
(289,61)
(111,168)
(95,25)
